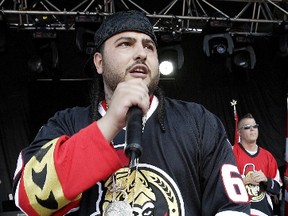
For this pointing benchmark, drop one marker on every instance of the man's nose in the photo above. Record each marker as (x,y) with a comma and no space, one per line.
(140,52)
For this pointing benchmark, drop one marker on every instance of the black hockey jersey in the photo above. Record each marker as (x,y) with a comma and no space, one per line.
(187,170)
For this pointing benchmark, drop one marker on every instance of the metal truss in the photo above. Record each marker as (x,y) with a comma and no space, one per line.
(247,17)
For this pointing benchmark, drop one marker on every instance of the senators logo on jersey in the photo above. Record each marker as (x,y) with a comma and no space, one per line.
(149,191)
(254,191)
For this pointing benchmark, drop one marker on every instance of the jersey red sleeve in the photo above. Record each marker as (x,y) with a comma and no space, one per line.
(53,180)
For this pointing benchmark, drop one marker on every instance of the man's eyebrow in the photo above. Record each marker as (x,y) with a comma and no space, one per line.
(148,40)
(125,38)
(145,40)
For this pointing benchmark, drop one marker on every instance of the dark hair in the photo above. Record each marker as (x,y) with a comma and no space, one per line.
(248,115)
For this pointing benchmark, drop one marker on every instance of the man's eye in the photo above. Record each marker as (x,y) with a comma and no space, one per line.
(124,44)
(150,47)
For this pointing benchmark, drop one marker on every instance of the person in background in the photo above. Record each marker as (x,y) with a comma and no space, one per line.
(77,164)
(285,181)
(257,166)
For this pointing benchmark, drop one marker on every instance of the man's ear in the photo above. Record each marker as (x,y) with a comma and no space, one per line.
(98,62)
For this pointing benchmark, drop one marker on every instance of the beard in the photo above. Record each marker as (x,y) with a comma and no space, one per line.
(112,79)
(152,86)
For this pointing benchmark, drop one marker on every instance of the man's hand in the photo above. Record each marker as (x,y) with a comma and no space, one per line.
(259,176)
(133,92)
(255,178)
(249,180)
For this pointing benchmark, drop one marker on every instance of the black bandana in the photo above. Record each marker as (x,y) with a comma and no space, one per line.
(121,22)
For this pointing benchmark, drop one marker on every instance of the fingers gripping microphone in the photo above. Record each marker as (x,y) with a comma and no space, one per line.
(133,147)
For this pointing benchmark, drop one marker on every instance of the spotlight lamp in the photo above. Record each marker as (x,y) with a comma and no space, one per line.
(282,33)
(166,68)
(84,41)
(35,64)
(244,57)
(171,59)
(218,44)
(85,27)
(45,62)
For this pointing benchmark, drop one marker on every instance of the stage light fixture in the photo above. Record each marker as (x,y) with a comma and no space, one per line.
(166,68)
(44,64)
(281,36)
(85,27)
(84,41)
(243,57)
(220,44)
(35,64)
(283,39)
(44,33)
(171,59)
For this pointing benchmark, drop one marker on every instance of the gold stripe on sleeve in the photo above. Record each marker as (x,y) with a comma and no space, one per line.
(41,182)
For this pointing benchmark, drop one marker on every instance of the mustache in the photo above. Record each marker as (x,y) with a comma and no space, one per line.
(137,63)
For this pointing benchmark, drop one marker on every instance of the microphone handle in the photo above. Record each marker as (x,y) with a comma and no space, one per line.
(133,137)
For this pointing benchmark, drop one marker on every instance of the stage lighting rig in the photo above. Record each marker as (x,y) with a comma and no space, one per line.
(171,60)
(219,45)
(45,63)
(85,26)
(243,57)
(281,33)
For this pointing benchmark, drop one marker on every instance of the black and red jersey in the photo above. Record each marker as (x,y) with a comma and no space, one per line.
(187,170)
(260,195)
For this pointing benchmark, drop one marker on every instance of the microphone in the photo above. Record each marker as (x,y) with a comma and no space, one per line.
(133,136)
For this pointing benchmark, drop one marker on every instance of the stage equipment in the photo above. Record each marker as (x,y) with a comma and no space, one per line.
(35,64)
(219,45)
(44,64)
(171,60)
(85,27)
(243,57)
(282,36)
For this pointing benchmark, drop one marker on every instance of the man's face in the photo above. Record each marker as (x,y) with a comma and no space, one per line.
(247,132)
(126,56)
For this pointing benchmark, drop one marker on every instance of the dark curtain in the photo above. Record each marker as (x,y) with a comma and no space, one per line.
(14,133)
(14,111)
(25,104)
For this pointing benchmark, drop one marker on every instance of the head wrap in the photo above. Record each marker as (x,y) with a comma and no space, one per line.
(123,21)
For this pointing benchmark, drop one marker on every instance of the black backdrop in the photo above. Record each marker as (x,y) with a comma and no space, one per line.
(25,104)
